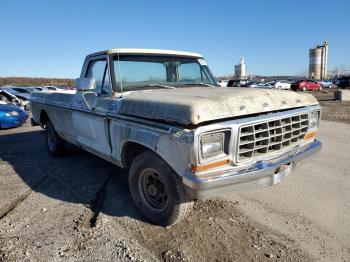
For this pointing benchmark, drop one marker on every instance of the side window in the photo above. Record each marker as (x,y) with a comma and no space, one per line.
(98,69)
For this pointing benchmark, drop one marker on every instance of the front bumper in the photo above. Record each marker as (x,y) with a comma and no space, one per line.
(261,174)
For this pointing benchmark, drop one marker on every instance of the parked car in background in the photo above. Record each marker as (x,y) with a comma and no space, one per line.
(51,88)
(282,84)
(23,90)
(249,84)
(266,85)
(8,98)
(230,83)
(236,82)
(38,88)
(305,85)
(11,116)
(20,92)
(326,84)
(343,82)
(223,83)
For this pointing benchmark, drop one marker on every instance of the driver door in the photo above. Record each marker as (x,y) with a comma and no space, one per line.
(90,122)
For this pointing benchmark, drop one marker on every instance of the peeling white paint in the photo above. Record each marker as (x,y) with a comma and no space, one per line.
(200,104)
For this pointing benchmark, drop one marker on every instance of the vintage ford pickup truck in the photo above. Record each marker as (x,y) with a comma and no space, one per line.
(161,115)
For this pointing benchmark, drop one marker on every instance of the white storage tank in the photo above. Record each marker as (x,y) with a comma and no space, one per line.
(240,71)
(318,62)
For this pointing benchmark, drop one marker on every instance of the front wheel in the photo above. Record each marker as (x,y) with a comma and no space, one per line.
(54,143)
(320,88)
(157,190)
(304,88)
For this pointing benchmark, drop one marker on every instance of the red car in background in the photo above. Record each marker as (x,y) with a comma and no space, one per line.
(305,85)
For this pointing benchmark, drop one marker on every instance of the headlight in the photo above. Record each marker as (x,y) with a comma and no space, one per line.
(314,120)
(212,144)
(12,113)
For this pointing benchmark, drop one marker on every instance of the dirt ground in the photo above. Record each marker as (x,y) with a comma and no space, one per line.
(332,110)
(78,208)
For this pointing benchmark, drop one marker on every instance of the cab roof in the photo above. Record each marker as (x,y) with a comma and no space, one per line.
(136,51)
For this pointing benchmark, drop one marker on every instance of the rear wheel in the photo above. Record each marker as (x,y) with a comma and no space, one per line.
(157,190)
(54,143)
(304,88)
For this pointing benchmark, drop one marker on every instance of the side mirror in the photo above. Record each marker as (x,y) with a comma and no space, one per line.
(85,84)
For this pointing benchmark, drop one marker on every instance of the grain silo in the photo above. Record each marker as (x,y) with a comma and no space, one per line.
(240,71)
(318,58)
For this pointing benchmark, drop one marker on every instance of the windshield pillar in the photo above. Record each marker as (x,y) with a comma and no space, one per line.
(172,73)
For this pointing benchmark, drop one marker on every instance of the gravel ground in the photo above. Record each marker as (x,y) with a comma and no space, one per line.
(311,206)
(332,110)
(78,208)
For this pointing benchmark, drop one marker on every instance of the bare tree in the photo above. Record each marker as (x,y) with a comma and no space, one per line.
(340,70)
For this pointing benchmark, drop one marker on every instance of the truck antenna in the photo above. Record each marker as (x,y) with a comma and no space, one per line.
(120,77)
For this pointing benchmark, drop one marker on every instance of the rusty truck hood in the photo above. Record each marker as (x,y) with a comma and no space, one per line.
(195,105)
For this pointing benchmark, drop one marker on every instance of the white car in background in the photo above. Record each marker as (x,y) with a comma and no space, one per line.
(51,88)
(282,84)
(326,84)
(223,83)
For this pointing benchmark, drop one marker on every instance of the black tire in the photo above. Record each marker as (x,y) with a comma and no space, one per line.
(157,190)
(320,88)
(54,143)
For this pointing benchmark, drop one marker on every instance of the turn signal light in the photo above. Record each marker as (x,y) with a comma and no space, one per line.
(210,165)
(309,135)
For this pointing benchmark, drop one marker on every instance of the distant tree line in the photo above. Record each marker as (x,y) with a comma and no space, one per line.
(36,81)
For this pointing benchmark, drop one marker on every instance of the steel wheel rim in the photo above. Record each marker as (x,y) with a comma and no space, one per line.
(153,190)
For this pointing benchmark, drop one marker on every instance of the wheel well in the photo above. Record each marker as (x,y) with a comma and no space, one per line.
(43,117)
(130,151)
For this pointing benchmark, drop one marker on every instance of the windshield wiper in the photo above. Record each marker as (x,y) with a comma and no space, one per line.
(139,87)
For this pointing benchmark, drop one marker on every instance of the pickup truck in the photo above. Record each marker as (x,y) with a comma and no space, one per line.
(161,115)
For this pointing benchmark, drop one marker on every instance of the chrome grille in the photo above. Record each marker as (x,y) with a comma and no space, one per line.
(270,136)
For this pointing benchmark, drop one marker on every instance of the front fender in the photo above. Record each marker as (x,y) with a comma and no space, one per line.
(174,150)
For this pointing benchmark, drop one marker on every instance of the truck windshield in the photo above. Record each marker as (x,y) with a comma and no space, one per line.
(137,72)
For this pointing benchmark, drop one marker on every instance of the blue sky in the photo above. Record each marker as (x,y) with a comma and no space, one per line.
(51,38)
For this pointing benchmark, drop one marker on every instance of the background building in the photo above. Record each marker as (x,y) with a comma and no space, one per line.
(240,72)
(318,62)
